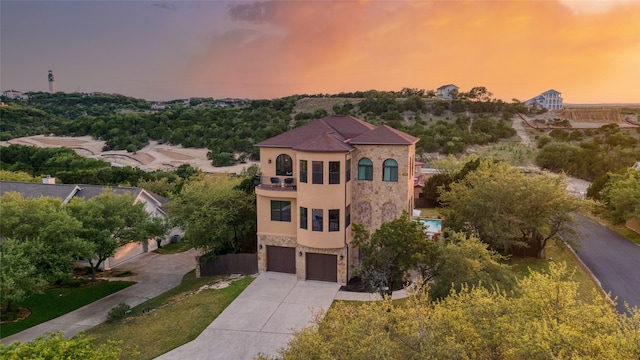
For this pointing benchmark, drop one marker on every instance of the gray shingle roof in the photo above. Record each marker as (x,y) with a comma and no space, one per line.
(67,191)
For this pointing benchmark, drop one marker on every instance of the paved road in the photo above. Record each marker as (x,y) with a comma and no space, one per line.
(614,260)
(155,274)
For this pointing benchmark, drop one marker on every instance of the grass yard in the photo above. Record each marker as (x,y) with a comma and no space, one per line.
(557,251)
(514,153)
(174,248)
(430,213)
(176,317)
(59,301)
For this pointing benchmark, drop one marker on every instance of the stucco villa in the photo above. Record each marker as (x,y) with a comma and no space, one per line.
(319,178)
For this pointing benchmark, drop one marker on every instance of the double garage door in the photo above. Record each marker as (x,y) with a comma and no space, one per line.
(323,267)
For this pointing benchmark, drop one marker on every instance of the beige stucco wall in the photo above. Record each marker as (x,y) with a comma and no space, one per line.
(268,169)
(263,206)
(323,196)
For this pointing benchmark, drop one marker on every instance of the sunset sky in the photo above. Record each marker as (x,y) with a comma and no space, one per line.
(588,50)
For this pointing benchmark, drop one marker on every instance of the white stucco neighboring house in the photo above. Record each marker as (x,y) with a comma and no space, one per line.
(48,188)
(550,100)
(446,91)
(15,94)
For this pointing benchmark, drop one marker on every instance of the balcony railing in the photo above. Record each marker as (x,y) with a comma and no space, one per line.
(277,183)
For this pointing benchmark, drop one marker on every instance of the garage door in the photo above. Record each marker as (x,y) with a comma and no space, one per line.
(281,259)
(323,267)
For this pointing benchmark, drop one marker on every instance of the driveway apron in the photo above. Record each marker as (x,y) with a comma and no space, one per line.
(260,320)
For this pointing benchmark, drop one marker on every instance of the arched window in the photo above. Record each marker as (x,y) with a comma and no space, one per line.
(284,165)
(390,170)
(365,169)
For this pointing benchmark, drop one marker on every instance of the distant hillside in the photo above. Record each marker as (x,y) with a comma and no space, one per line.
(230,128)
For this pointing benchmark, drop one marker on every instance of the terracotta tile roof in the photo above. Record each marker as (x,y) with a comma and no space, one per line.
(347,126)
(298,135)
(385,135)
(327,142)
(336,133)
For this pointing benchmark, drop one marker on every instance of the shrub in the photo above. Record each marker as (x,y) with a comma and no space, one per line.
(118,312)
(124,273)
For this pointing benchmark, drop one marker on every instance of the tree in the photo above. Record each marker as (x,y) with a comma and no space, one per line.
(19,276)
(110,221)
(55,346)
(507,208)
(216,214)
(480,93)
(465,261)
(48,226)
(6,175)
(386,256)
(544,320)
(621,195)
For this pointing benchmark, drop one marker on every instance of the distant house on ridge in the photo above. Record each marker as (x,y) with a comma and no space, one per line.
(550,100)
(445,91)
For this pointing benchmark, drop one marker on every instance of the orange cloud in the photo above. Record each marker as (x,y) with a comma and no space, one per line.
(514,48)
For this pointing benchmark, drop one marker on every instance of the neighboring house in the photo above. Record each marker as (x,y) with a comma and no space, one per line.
(319,178)
(66,192)
(14,94)
(550,100)
(447,91)
(158,106)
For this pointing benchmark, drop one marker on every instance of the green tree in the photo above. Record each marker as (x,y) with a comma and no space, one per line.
(387,256)
(22,176)
(621,195)
(508,208)
(55,346)
(19,276)
(45,223)
(110,221)
(215,213)
(544,319)
(480,93)
(466,261)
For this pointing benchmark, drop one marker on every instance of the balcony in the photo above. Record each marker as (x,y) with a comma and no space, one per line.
(275,183)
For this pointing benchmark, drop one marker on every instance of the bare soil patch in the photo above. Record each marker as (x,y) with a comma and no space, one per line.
(175,155)
(152,157)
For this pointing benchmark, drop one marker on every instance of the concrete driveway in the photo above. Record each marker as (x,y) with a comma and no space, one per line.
(155,274)
(260,320)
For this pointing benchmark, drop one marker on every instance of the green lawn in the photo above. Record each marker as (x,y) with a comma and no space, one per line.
(176,317)
(59,301)
(557,251)
(174,248)
(430,213)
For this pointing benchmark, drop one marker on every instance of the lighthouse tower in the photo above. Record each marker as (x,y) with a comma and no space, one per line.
(52,85)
